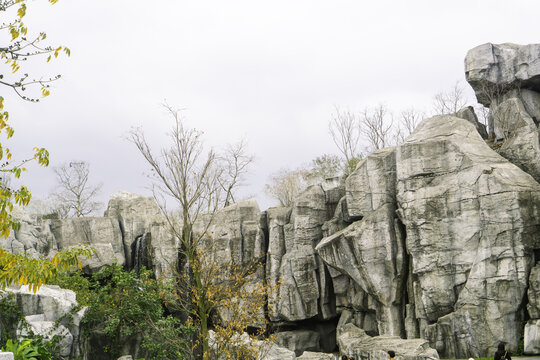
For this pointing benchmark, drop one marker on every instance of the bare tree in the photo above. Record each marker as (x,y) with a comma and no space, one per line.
(285,185)
(235,163)
(408,121)
(345,133)
(376,125)
(195,179)
(451,101)
(74,194)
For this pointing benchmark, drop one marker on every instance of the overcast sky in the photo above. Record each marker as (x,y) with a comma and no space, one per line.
(268,71)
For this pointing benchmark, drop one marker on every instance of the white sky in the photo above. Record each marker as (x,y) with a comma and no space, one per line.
(269,71)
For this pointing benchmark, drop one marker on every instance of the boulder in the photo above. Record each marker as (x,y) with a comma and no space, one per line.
(371,253)
(372,184)
(48,312)
(531,340)
(299,340)
(6,356)
(472,222)
(468,114)
(310,355)
(496,68)
(354,342)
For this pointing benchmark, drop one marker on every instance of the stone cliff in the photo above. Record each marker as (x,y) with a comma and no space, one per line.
(435,239)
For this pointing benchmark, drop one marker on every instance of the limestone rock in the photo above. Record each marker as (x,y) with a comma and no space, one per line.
(304,290)
(354,342)
(533,307)
(370,252)
(299,340)
(468,114)
(523,150)
(310,355)
(135,215)
(372,184)
(45,312)
(6,356)
(472,220)
(531,341)
(102,234)
(495,68)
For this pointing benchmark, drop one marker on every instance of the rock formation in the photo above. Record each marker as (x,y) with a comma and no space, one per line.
(428,248)
(506,78)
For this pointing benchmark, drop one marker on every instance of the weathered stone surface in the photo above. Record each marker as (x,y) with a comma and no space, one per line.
(6,356)
(468,114)
(370,252)
(304,291)
(472,219)
(299,340)
(372,184)
(235,233)
(310,355)
(233,236)
(354,342)
(48,329)
(531,340)
(45,312)
(275,352)
(102,234)
(533,307)
(136,214)
(496,68)
(523,150)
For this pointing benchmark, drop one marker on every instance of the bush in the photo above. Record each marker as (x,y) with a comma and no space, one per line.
(126,308)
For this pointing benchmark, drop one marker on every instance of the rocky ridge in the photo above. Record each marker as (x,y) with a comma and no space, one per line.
(435,239)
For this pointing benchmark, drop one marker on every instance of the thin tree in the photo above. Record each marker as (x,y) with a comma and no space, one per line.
(376,125)
(285,185)
(185,172)
(74,192)
(451,101)
(408,121)
(235,163)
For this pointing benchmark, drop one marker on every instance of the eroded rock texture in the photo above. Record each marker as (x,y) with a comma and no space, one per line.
(506,78)
(472,224)
(430,246)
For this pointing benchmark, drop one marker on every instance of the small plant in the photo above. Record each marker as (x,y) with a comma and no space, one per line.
(24,350)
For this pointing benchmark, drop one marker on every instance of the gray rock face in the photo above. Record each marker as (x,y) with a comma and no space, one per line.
(102,234)
(145,232)
(533,307)
(468,114)
(372,184)
(354,342)
(6,356)
(531,339)
(370,252)
(491,68)
(309,355)
(299,340)
(45,312)
(506,78)
(451,187)
(303,292)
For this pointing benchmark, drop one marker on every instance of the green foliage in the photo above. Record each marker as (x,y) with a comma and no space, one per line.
(124,306)
(324,167)
(79,283)
(24,350)
(351,165)
(10,316)
(24,270)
